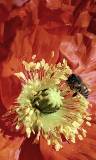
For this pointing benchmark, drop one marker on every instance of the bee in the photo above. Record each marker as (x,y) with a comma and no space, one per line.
(77,85)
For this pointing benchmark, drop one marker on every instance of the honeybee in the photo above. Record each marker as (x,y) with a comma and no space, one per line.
(77,85)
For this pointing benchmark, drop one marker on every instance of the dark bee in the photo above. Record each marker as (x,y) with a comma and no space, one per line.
(76,84)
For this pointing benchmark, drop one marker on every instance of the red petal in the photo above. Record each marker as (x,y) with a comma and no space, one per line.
(68,49)
(89,78)
(3,13)
(19,2)
(91,61)
(83,20)
(30,151)
(10,89)
(54,4)
(9,149)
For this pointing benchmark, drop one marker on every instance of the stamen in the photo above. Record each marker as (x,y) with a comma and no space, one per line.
(46,105)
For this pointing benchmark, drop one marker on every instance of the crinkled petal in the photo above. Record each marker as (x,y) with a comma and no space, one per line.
(68,49)
(89,79)
(54,4)
(4,13)
(24,46)
(19,2)
(30,151)
(9,149)
(10,88)
(91,61)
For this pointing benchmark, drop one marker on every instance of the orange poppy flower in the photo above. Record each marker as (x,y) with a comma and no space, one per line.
(39,27)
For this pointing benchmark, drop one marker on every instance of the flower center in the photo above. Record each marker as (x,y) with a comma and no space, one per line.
(47,101)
